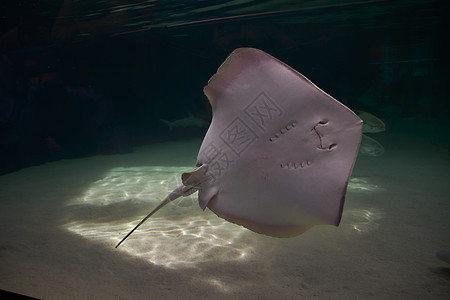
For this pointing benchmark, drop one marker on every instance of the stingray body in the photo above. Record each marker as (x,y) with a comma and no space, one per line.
(279,151)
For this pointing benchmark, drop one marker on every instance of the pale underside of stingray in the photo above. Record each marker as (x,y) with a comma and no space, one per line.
(278,153)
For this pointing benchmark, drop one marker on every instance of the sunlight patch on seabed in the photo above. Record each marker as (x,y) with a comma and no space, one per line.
(219,284)
(138,183)
(179,242)
(175,241)
(362,220)
(363,185)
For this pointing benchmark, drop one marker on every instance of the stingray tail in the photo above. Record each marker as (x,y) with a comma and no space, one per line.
(182,190)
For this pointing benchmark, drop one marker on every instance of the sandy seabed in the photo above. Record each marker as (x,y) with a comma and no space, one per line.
(60,223)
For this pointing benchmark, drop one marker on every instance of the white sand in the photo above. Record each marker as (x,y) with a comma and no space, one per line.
(60,223)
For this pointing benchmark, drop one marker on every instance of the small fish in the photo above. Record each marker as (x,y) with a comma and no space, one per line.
(190,121)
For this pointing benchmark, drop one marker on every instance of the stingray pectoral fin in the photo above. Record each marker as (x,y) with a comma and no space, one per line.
(275,230)
(195,178)
(205,195)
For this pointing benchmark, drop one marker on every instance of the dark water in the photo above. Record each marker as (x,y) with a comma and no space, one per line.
(94,88)
(80,78)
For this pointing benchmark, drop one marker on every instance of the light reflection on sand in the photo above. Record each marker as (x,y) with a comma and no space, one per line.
(181,236)
(184,241)
(365,219)
(219,284)
(362,220)
(362,185)
(138,183)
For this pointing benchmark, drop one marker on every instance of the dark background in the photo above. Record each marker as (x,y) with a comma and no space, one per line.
(97,77)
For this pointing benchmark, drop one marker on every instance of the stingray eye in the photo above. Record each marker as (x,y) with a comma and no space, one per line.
(332,146)
(323,122)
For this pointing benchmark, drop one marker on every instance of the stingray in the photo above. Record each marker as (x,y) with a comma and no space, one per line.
(279,151)
(370,147)
(371,124)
